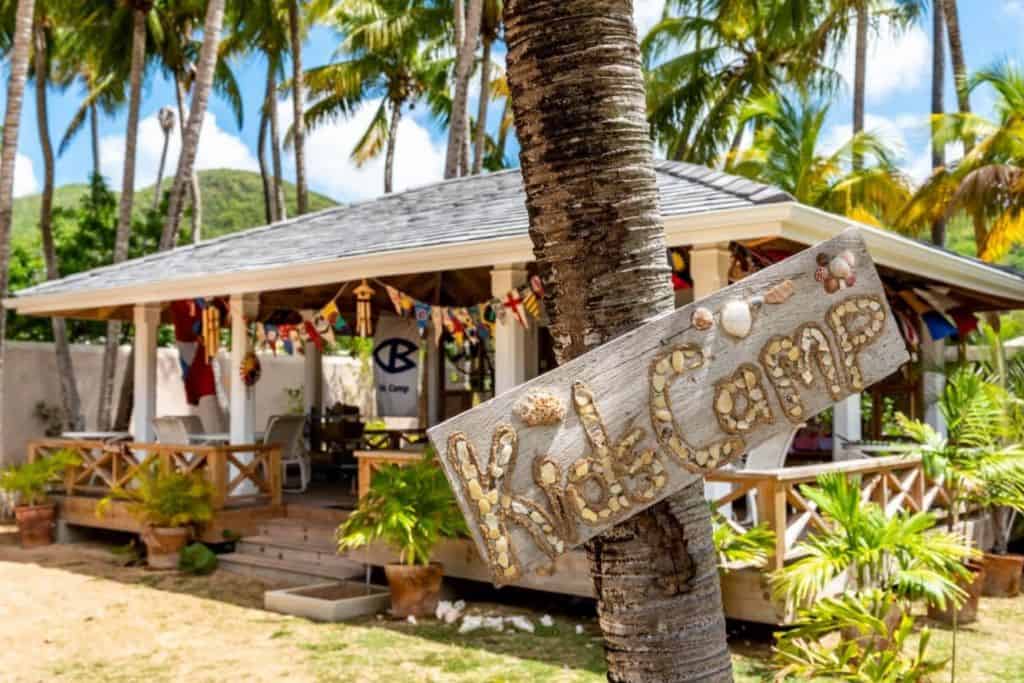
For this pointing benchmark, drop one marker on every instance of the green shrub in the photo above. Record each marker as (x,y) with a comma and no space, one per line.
(409,508)
(29,481)
(197,559)
(165,500)
(736,546)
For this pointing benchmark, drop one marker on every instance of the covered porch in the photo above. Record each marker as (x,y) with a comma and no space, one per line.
(458,245)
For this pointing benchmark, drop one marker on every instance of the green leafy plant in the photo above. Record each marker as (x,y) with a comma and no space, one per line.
(838,638)
(29,481)
(409,508)
(737,546)
(975,460)
(903,553)
(165,499)
(197,559)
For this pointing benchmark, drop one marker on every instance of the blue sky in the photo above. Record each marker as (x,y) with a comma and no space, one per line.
(898,94)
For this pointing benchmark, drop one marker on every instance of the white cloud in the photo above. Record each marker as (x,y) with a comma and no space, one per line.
(1014,8)
(217,149)
(24,176)
(419,160)
(898,61)
(647,13)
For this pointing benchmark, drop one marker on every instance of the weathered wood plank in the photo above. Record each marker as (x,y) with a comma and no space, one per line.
(542,468)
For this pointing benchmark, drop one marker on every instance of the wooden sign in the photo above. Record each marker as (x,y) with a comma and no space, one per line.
(563,457)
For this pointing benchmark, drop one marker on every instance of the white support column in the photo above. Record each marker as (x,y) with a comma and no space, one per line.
(241,397)
(709,268)
(510,339)
(313,375)
(846,424)
(933,379)
(147,325)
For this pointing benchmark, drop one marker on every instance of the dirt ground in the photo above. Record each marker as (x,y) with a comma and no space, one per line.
(74,613)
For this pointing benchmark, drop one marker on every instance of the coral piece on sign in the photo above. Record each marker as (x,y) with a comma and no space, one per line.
(780,293)
(539,408)
(703,319)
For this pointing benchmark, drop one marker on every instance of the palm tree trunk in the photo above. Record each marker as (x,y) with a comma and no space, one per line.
(261,156)
(124,214)
(280,206)
(190,137)
(578,95)
(193,185)
(18,65)
(938,108)
(860,65)
(160,170)
(94,133)
(459,124)
(72,405)
(389,159)
(298,96)
(480,142)
(956,54)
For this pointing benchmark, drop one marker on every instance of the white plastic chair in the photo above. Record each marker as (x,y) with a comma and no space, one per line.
(287,431)
(171,430)
(771,455)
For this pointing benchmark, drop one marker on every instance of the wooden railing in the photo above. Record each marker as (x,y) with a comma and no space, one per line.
(893,482)
(239,475)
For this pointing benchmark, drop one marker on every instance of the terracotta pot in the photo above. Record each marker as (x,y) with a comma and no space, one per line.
(1002,575)
(968,612)
(415,589)
(36,524)
(163,546)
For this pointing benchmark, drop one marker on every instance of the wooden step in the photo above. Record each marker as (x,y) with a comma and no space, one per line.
(288,572)
(298,530)
(320,515)
(282,549)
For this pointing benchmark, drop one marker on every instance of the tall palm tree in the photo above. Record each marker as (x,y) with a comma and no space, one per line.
(45,36)
(166,119)
(581,123)
(391,51)
(490,31)
(190,139)
(987,185)
(465,51)
(18,58)
(787,153)
(938,104)
(295,34)
(956,53)
(705,58)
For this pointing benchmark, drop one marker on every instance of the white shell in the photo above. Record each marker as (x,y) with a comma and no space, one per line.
(840,268)
(703,319)
(736,319)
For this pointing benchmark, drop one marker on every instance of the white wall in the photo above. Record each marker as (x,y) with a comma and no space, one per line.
(30,376)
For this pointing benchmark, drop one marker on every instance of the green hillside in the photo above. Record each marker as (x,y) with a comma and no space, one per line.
(232,201)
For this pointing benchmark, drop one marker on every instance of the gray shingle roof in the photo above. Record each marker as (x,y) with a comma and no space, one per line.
(470,209)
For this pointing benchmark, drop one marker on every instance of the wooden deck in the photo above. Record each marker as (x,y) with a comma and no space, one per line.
(246,481)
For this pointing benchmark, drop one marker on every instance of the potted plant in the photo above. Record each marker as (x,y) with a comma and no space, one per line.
(28,483)
(168,505)
(411,509)
(979,466)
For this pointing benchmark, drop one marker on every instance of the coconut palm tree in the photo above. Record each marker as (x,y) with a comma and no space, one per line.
(584,137)
(903,554)
(987,185)
(205,72)
(467,18)
(938,103)
(787,152)
(20,47)
(956,53)
(705,58)
(103,92)
(295,34)
(45,46)
(391,51)
(166,119)
(490,31)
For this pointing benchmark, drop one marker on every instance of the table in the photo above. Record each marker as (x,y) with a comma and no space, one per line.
(371,461)
(97,436)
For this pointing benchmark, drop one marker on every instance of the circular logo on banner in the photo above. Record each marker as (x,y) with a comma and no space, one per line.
(396,355)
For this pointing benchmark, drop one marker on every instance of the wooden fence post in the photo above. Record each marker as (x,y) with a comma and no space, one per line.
(217,471)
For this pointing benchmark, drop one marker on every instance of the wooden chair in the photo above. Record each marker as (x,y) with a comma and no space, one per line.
(287,431)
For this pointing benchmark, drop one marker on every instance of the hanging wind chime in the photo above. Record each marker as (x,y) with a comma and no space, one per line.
(364,321)
(211,330)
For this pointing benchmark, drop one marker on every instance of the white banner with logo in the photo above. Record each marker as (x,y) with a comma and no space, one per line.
(396,358)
